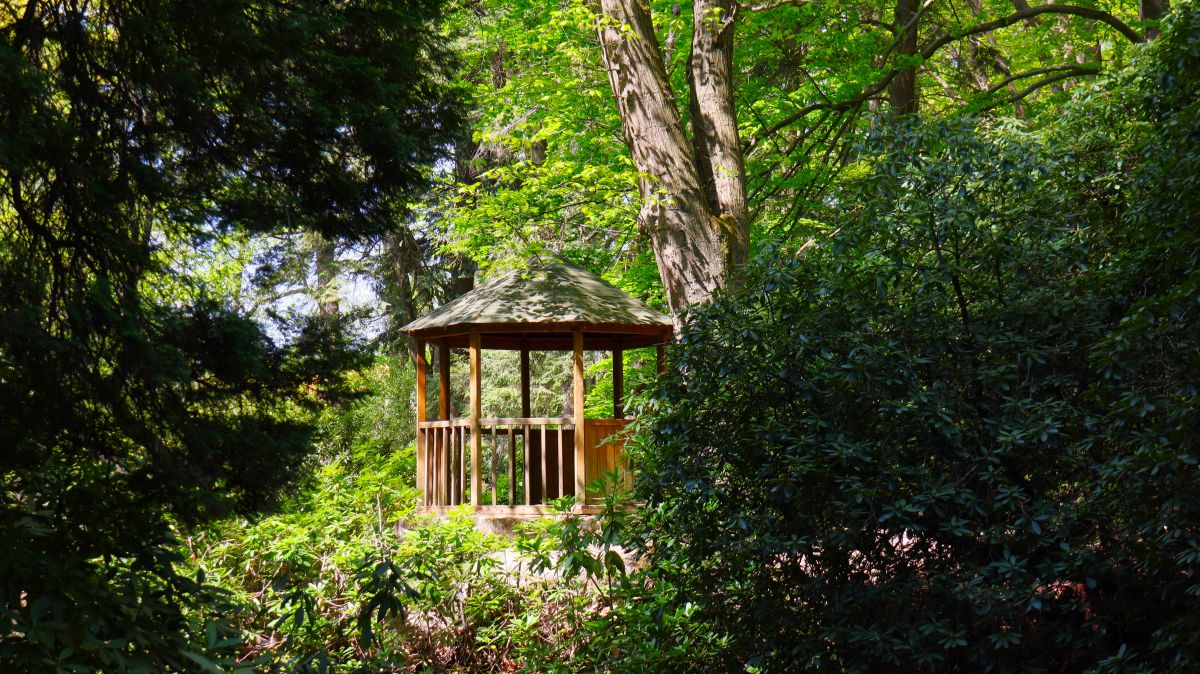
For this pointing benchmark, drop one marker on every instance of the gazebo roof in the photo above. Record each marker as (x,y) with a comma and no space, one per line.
(539,307)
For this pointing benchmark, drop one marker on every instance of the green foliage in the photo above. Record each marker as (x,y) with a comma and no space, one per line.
(296,572)
(137,402)
(960,433)
(624,615)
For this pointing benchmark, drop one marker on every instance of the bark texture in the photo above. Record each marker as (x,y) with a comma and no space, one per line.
(1150,10)
(689,238)
(903,89)
(327,276)
(715,140)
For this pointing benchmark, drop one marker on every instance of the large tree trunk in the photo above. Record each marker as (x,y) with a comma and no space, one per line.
(1152,9)
(689,240)
(718,149)
(903,88)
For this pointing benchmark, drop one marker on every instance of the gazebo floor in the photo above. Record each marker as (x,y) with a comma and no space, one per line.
(526,511)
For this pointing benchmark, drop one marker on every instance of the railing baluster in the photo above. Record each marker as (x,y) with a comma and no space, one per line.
(525,468)
(492,462)
(545,483)
(562,461)
(512,467)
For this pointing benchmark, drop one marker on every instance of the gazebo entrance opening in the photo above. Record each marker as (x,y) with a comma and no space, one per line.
(516,465)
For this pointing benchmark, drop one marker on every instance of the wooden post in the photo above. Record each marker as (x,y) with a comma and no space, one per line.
(660,355)
(618,361)
(422,439)
(443,379)
(580,450)
(476,436)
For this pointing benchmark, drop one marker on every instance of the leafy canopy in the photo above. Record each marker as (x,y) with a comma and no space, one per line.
(135,398)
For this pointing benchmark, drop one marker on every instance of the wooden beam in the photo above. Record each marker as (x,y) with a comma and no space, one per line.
(618,378)
(476,413)
(443,379)
(552,341)
(524,380)
(580,449)
(518,327)
(660,355)
(418,355)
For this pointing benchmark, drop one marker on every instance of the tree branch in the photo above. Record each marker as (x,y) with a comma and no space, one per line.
(1049,80)
(767,6)
(932,48)
(1073,69)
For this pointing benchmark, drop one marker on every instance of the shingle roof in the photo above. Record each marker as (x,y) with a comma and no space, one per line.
(549,294)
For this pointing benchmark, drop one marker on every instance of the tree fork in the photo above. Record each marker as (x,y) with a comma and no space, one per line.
(688,237)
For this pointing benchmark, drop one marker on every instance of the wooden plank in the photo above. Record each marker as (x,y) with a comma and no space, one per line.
(518,421)
(512,466)
(476,407)
(525,443)
(660,356)
(556,341)
(444,467)
(519,328)
(445,423)
(562,462)
(418,356)
(443,379)
(544,484)
(431,468)
(581,476)
(447,465)
(515,511)
(492,465)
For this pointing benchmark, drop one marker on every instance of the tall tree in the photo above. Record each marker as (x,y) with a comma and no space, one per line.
(696,246)
(694,191)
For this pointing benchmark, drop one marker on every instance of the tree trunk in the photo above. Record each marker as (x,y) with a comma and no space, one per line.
(1152,9)
(404,267)
(326,272)
(689,240)
(979,63)
(715,141)
(903,88)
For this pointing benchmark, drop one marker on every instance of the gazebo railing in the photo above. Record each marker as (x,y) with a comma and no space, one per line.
(524,460)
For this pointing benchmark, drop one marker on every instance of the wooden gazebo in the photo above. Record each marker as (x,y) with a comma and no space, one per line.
(555,307)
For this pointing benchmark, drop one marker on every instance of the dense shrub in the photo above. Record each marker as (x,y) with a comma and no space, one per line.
(957,433)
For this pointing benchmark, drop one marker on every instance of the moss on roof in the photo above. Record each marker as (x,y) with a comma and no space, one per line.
(552,293)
